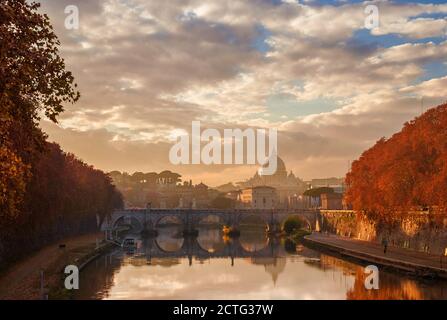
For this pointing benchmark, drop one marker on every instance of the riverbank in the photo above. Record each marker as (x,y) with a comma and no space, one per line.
(397,259)
(22,280)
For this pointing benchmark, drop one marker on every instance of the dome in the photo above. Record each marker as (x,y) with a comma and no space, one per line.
(280,167)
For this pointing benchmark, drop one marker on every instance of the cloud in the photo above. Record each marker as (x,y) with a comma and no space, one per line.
(417,28)
(410,53)
(434,88)
(146,69)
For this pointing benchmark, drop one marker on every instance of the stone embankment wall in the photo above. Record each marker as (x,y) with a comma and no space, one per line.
(419,231)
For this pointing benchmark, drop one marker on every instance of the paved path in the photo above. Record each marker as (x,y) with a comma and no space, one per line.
(21,280)
(411,261)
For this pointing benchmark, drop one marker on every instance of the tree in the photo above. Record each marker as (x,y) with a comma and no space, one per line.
(12,183)
(45,193)
(222,202)
(292,224)
(405,172)
(33,81)
(318,191)
(64,196)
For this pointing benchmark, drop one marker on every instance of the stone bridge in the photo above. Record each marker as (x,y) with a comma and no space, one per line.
(150,219)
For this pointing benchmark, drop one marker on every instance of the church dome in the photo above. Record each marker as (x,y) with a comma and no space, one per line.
(280,167)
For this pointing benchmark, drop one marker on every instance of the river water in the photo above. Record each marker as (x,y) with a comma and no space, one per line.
(251,267)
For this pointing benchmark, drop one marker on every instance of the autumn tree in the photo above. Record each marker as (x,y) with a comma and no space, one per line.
(64,196)
(45,193)
(405,172)
(33,82)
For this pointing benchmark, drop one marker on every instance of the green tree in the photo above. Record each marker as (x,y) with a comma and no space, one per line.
(292,224)
(318,191)
(222,202)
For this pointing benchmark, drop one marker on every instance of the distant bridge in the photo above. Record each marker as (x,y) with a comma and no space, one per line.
(150,219)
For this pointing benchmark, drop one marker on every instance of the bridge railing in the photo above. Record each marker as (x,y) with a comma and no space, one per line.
(212,210)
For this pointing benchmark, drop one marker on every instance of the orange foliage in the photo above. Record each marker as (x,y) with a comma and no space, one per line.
(63,197)
(406,171)
(45,194)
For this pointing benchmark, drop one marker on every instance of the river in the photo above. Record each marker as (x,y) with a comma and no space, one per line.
(251,267)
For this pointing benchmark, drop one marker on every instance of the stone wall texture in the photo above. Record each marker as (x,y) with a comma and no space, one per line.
(419,231)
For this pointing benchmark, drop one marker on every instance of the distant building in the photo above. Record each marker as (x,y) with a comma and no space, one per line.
(286,185)
(309,202)
(299,201)
(331,201)
(201,198)
(162,190)
(262,197)
(186,195)
(194,197)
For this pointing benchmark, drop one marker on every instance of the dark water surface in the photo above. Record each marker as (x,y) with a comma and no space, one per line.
(252,267)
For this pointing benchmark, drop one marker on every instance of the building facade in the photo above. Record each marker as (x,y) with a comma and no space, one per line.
(262,197)
(331,201)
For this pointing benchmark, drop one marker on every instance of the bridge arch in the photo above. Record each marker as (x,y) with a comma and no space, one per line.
(303,218)
(173,218)
(211,218)
(254,219)
(119,220)
(127,220)
(168,244)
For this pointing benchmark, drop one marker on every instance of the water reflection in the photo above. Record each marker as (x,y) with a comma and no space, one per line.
(252,267)
(211,239)
(170,238)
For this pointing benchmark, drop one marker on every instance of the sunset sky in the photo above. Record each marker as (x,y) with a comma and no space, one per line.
(147,69)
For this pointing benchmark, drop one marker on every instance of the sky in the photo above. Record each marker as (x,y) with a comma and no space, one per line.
(310,69)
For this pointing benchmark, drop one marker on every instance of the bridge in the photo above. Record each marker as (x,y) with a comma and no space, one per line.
(149,220)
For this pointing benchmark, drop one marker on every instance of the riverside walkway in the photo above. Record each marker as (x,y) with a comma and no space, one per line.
(399,259)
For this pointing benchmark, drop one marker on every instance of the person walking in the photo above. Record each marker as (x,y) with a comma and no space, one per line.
(385,244)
